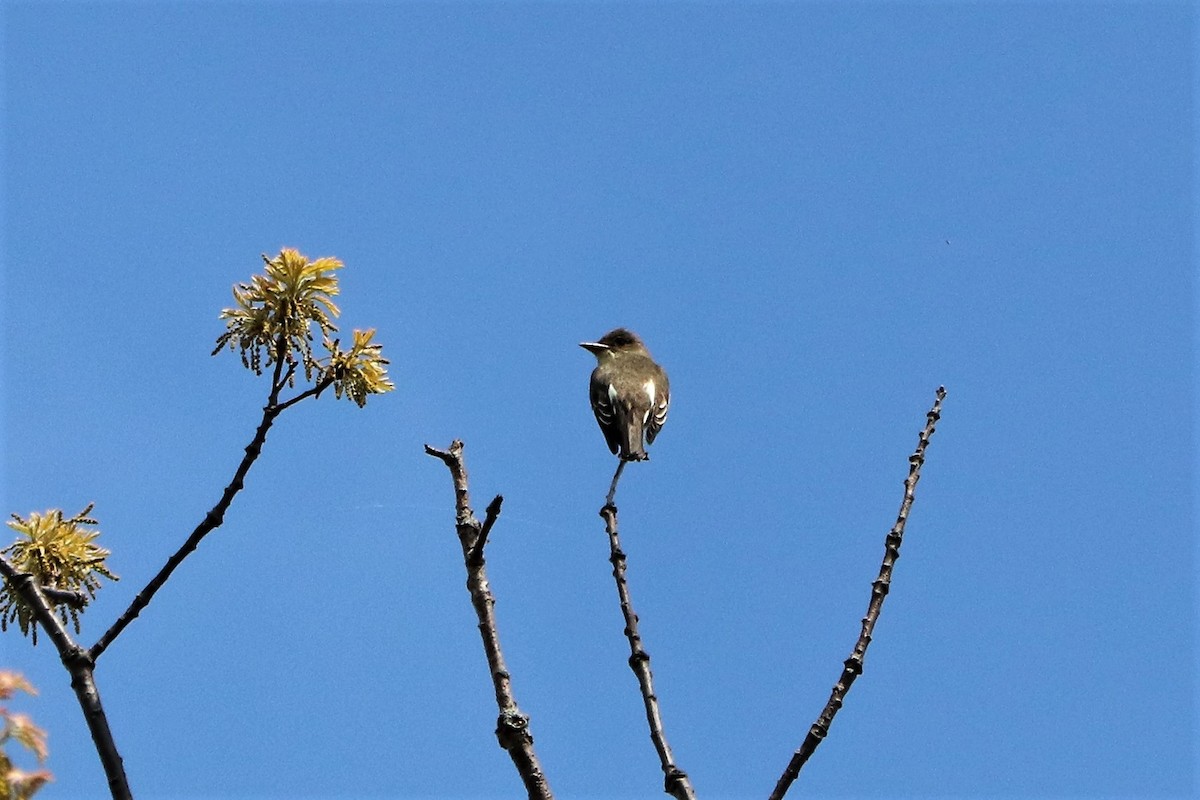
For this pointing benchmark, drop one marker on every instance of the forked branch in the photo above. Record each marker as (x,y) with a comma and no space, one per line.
(216,515)
(80,666)
(271,326)
(512,726)
(853,665)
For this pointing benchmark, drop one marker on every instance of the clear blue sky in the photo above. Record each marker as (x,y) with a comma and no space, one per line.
(814,214)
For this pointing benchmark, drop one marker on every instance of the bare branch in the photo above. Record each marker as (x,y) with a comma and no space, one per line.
(512,726)
(212,520)
(216,515)
(853,665)
(676,782)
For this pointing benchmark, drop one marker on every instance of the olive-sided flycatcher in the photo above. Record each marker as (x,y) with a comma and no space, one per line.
(629,393)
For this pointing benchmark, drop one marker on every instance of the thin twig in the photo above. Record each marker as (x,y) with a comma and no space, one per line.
(612,489)
(65,597)
(512,726)
(676,782)
(492,513)
(216,515)
(80,666)
(281,382)
(312,391)
(211,521)
(853,666)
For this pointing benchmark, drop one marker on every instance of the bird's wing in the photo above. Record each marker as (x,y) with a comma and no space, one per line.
(658,412)
(600,394)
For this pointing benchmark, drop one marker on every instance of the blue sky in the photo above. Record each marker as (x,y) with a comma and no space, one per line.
(813,213)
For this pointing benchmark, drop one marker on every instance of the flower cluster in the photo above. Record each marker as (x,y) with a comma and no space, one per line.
(60,554)
(273,324)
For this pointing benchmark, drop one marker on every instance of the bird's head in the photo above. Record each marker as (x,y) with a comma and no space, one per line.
(616,341)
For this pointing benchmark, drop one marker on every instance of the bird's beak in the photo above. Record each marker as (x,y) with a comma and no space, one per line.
(594,348)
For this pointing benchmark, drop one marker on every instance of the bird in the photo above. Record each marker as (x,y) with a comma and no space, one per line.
(629,393)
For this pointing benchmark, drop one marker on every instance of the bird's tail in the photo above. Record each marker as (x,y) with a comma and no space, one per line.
(631,438)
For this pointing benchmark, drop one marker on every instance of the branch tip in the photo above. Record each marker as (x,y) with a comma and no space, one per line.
(852,667)
(491,515)
(493,509)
